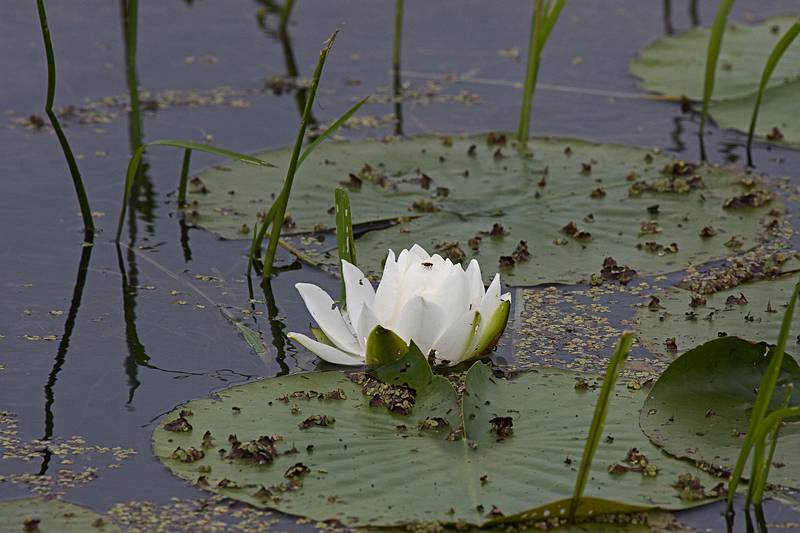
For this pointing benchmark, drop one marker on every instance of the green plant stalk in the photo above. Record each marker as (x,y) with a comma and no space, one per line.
(283,199)
(396,52)
(184,179)
(258,237)
(286,12)
(136,159)
(769,68)
(765,392)
(758,481)
(599,418)
(712,56)
(769,424)
(542,23)
(344,236)
(131,21)
(77,180)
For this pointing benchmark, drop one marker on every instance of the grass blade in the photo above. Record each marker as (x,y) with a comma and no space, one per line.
(330,130)
(765,392)
(285,13)
(283,199)
(769,68)
(542,23)
(344,235)
(136,159)
(130,20)
(187,158)
(77,180)
(396,52)
(599,418)
(758,481)
(712,56)
(258,237)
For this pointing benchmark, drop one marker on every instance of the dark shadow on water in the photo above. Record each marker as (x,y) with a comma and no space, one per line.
(187,251)
(397,84)
(63,347)
(669,29)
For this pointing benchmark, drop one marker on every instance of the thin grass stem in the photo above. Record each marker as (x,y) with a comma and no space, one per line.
(763,398)
(396,52)
(758,482)
(345,240)
(286,12)
(130,16)
(77,180)
(599,418)
(769,68)
(184,179)
(712,56)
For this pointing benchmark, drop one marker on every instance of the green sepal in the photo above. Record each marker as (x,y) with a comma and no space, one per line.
(384,346)
(494,329)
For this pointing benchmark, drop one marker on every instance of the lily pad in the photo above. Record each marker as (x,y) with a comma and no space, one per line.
(552,216)
(752,311)
(701,404)
(48,515)
(675,65)
(508,451)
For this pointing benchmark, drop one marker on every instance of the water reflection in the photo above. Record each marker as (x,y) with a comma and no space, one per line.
(397,85)
(63,347)
(669,29)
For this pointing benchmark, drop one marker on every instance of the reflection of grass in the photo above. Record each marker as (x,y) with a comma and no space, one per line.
(712,56)
(599,418)
(544,18)
(772,62)
(77,181)
(760,424)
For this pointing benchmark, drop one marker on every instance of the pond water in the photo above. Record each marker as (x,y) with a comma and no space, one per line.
(137,329)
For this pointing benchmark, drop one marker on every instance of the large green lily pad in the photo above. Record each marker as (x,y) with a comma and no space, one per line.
(369,466)
(752,311)
(675,65)
(472,184)
(49,515)
(700,406)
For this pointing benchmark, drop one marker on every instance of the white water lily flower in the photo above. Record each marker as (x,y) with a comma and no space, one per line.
(423,298)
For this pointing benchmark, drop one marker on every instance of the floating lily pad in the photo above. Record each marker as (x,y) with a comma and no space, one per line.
(777,120)
(550,217)
(509,451)
(701,404)
(675,65)
(752,311)
(48,515)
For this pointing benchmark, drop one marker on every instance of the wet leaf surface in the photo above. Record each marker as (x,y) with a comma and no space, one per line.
(50,516)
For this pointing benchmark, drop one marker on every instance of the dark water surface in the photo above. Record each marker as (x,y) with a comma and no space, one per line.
(129,347)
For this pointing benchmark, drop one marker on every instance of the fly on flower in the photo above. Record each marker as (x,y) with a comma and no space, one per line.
(440,306)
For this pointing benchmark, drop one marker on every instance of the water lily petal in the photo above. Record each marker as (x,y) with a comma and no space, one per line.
(328,353)
(454,345)
(366,323)
(420,320)
(474,284)
(452,295)
(327,316)
(359,291)
(386,294)
(420,252)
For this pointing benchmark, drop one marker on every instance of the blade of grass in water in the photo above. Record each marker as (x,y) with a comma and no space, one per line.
(758,480)
(136,158)
(344,235)
(77,180)
(130,19)
(542,23)
(772,62)
(286,12)
(396,82)
(712,56)
(763,398)
(599,418)
(187,158)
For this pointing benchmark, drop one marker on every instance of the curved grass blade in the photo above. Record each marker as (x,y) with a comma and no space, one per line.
(769,68)
(761,404)
(758,481)
(344,235)
(330,130)
(712,56)
(136,158)
(77,180)
(599,418)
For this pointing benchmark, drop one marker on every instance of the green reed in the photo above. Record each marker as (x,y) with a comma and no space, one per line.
(77,180)
(345,241)
(712,56)
(762,462)
(599,418)
(542,22)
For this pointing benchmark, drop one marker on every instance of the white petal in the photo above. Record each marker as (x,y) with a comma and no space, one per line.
(489,304)
(420,320)
(328,353)
(420,252)
(359,290)
(452,295)
(455,343)
(475,284)
(366,322)
(327,316)
(386,294)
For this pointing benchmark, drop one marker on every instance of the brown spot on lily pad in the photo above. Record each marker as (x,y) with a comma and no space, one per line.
(316,420)
(188,455)
(179,425)
(503,426)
